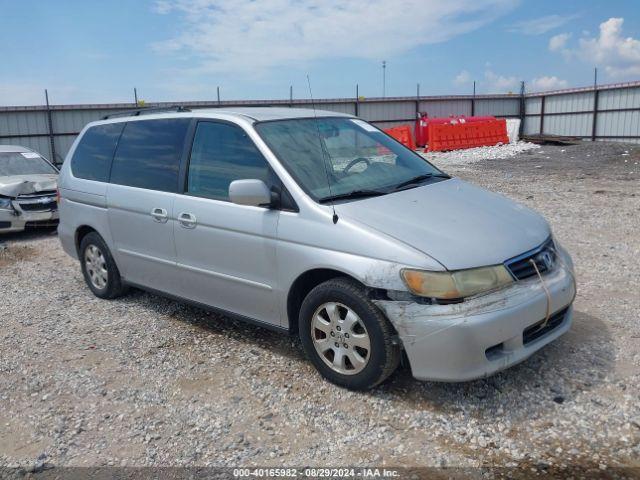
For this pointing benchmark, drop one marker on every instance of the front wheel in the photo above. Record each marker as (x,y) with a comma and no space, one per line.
(346,337)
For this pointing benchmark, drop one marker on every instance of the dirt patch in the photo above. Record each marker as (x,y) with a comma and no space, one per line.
(10,254)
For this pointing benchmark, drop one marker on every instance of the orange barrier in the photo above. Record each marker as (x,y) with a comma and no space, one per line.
(403,135)
(423,121)
(467,135)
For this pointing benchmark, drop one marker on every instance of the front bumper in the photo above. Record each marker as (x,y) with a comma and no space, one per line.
(486,334)
(10,222)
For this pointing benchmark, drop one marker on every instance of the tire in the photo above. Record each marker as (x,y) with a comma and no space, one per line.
(100,271)
(327,322)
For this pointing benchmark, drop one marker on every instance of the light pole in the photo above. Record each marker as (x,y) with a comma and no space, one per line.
(384,78)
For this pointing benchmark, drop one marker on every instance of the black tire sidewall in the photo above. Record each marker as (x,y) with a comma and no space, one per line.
(113,287)
(333,291)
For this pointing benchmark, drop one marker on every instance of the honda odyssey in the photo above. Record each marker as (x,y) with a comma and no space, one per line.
(319,224)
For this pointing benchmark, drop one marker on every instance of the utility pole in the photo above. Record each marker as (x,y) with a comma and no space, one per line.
(384,78)
(595,77)
(218,90)
(135,95)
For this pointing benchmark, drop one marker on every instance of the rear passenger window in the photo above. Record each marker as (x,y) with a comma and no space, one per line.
(222,153)
(148,154)
(92,157)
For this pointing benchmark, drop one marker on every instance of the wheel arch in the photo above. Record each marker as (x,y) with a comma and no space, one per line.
(81,232)
(303,284)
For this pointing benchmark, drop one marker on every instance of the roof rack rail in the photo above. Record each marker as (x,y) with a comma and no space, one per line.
(146,110)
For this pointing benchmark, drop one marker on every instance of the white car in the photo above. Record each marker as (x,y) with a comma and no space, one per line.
(28,184)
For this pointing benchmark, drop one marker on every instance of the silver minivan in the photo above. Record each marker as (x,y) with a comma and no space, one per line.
(319,224)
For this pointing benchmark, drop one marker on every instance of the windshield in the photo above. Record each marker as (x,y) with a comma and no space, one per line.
(357,156)
(24,163)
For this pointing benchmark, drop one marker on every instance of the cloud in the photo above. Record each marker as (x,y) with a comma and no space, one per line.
(495,83)
(558,42)
(538,26)
(246,35)
(619,56)
(547,83)
(502,83)
(463,78)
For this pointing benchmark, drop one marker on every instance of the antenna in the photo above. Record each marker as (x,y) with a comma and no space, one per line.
(324,156)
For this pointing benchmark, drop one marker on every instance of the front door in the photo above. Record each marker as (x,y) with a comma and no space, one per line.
(226,252)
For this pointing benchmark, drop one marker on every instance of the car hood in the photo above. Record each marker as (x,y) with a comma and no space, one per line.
(14,185)
(456,223)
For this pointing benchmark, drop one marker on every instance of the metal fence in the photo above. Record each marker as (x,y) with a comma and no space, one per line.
(605,112)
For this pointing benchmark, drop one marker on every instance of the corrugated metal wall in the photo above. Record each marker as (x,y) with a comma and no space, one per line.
(615,108)
(567,113)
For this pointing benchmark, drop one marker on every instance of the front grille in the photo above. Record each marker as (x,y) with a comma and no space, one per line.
(39,207)
(535,331)
(41,224)
(37,202)
(544,256)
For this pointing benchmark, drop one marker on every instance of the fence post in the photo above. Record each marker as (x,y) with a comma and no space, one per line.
(596,96)
(418,101)
(52,143)
(473,100)
(542,115)
(522,109)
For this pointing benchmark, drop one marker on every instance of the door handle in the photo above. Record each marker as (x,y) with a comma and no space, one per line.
(187,220)
(159,215)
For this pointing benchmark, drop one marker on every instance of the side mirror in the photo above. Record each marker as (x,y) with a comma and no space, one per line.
(250,192)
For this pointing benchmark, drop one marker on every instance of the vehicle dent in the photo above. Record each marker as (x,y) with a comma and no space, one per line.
(428,331)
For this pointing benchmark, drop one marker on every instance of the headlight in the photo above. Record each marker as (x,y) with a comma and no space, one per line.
(5,204)
(458,284)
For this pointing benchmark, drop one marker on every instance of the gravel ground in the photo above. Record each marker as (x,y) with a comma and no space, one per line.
(147,381)
(471,155)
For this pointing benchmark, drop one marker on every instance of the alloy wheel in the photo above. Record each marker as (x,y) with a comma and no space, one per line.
(340,338)
(96,266)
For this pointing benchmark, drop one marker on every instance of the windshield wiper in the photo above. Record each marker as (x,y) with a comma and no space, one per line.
(353,194)
(420,178)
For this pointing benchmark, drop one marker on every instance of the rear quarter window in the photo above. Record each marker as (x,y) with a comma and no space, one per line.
(148,154)
(92,157)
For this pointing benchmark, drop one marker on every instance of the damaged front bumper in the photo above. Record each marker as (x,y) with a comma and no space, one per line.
(486,334)
(17,221)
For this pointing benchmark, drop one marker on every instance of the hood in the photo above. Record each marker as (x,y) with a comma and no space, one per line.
(12,186)
(456,223)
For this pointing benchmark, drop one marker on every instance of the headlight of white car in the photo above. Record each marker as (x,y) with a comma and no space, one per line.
(5,204)
(457,284)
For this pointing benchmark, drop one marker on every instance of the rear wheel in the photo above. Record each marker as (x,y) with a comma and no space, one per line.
(98,267)
(347,338)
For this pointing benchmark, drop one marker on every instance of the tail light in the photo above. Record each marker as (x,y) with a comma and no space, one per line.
(58,196)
